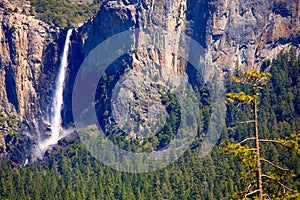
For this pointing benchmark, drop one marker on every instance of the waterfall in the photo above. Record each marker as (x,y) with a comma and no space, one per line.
(58,96)
(57,104)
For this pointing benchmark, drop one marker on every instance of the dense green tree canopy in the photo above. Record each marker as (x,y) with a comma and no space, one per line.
(64,13)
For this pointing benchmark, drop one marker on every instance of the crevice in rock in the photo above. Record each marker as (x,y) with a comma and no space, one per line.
(11,88)
(12,50)
(198,22)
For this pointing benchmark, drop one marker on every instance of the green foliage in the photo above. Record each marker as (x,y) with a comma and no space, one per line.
(9,134)
(241,96)
(9,125)
(64,13)
(294,142)
(242,153)
(72,173)
(253,77)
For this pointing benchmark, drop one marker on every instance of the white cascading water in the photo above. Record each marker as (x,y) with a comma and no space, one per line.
(55,118)
(58,97)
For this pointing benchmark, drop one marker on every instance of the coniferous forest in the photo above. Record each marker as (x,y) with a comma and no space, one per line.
(72,173)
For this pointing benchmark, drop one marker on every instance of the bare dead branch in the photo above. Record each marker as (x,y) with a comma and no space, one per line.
(253,192)
(274,165)
(278,182)
(247,139)
(244,122)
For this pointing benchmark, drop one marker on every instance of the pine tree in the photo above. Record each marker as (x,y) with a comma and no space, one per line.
(252,157)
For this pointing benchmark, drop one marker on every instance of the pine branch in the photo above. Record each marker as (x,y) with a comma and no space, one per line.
(247,139)
(255,191)
(274,165)
(278,182)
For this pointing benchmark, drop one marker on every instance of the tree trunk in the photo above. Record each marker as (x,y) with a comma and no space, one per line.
(259,180)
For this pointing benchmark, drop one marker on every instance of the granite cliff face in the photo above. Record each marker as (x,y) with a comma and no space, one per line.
(248,32)
(28,50)
(234,33)
(28,59)
(118,16)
